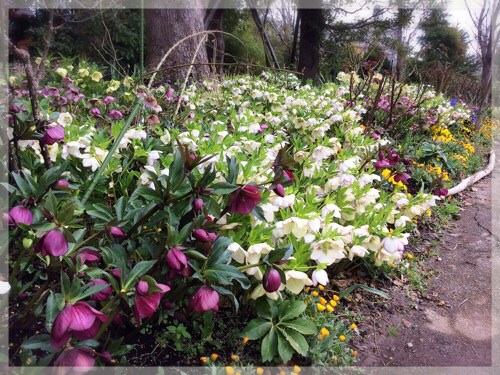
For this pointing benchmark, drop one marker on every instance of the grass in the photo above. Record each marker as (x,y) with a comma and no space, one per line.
(394,330)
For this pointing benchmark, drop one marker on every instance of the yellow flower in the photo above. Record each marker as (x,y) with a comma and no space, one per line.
(342,338)
(409,256)
(393,265)
(204,359)
(321,287)
(38,60)
(234,357)
(320,307)
(324,332)
(96,76)
(245,340)
(335,297)
(229,370)
(113,86)
(70,67)
(259,370)
(354,353)
(296,369)
(315,294)
(333,302)
(83,73)
(214,356)
(329,308)
(128,81)
(354,326)
(322,301)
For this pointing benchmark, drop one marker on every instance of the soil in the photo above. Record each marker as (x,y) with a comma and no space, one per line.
(450,324)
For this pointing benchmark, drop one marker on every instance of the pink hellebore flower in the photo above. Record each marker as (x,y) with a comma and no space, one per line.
(89,256)
(115,114)
(204,299)
(177,260)
(263,127)
(279,190)
(61,185)
(146,304)
(79,320)
(78,358)
(244,200)
(108,99)
(393,157)
(152,119)
(52,243)
(441,192)
(203,236)
(271,281)
(169,95)
(102,295)
(20,215)
(402,177)
(53,135)
(117,232)
(95,112)
(198,204)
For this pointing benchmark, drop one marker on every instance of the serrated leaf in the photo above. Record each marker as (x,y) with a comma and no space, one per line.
(296,340)
(269,346)
(293,310)
(285,350)
(304,326)
(256,328)
(258,212)
(223,188)
(139,269)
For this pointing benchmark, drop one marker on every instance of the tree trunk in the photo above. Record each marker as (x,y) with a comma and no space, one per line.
(215,45)
(311,29)
(164,28)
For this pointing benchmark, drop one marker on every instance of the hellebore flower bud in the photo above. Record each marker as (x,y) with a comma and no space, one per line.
(401,177)
(52,243)
(406,161)
(53,135)
(142,287)
(288,175)
(79,359)
(103,294)
(198,204)
(21,214)
(176,260)
(381,164)
(61,185)
(146,304)
(117,232)
(27,242)
(108,99)
(271,281)
(244,200)
(89,256)
(319,277)
(279,190)
(204,299)
(95,112)
(203,236)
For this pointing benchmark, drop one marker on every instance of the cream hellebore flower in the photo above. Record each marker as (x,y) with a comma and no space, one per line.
(38,60)
(296,281)
(96,76)
(298,227)
(254,253)
(327,251)
(83,73)
(113,85)
(62,72)
(329,208)
(372,243)
(260,291)
(357,250)
(401,221)
(237,253)
(64,119)
(128,81)
(319,277)
(4,287)
(392,244)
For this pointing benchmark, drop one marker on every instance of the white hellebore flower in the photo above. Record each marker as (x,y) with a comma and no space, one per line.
(64,119)
(296,281)
(319,277)
(254,254)
(298,227)
(393,244)
(357,250)
(4,287)
(327,251)
(327,209)
(237,252)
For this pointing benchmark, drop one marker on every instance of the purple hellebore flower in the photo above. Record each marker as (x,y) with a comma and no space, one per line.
(52,243)
(169,95)
(263,127)
(279,190)
(89,256)
(381,164)
(53,135)
(103,294)
(393,157)
(146,304)
(402,177)
(204,299)
(79,359)
(61,100)
(441,192)
(198,204)
(375,135)
(108,99)
(79,320)
(177,260)
(13,108)
(20,214)
(152,119)
(117,232)
(203,236)
(271,281)
(74,95)
(67,81)
(244,200)
(115,114)
(95,112)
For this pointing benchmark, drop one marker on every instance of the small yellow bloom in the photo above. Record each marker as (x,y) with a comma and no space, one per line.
(234,357)
(282,372)
(259,370)
(335,297)
(342,338)
(329,308)
(324,332)
(409,256)
(96,76)
(315,294)
(322,301)
(393,265)
(354,326)
(296,369)
(38,60)
(229,370)
(204,359)
(354,353)
(321,287)
(333,303)
(214,356)
(245,340)
(320,307)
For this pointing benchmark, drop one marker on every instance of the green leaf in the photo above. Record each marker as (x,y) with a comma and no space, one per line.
(233,169)
(296,341)
(225,274)
(279,254)
(120,207)
(219,253)
(139,269)
(285,350)
(258,212)
(269,346)
(22,185)
(225,292)
(256,329)
(353,287)
(88,291)
(223,188)
(65,215)
(38,342)
(51,310)
(147,193)
(304,326)
(293,310)
(176,171)
(195,254)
